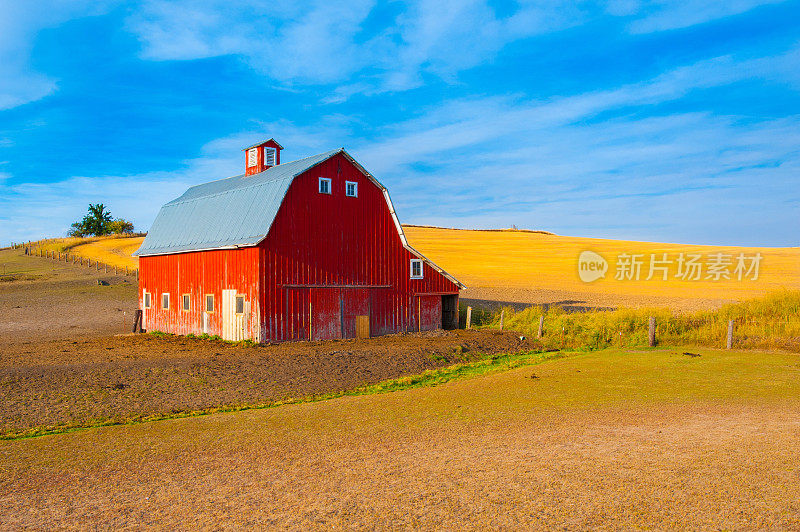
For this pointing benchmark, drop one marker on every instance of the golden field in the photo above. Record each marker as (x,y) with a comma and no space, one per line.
(114,250)
(538,267)
(515,265)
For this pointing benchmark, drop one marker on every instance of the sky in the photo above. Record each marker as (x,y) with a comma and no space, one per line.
(667,121)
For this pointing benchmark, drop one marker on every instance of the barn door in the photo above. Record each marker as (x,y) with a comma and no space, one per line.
(355,309)
(450,312)
(235,313)
(429,313)
(326,314)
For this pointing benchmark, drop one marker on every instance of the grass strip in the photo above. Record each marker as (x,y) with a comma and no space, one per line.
(428,378)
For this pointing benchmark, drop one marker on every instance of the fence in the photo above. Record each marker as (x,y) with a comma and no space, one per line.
(34,249)
(490,319)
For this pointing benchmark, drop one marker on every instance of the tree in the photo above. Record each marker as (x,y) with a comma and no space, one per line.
(99,222)
(120,226)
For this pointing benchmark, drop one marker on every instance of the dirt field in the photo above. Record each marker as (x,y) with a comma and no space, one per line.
(64,383)
(612,440)
(41,299)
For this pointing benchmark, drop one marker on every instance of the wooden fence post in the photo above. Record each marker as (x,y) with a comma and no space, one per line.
(137,320)
(502,318)
(652,332)
(541,326)
(469,316)
(730,334)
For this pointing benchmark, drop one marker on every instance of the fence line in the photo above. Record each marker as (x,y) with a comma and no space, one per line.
(34,249)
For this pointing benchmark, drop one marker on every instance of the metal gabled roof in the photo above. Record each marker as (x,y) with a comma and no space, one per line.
(233,212)
(239,211)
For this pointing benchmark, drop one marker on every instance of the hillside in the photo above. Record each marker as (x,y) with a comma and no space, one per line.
(538,267)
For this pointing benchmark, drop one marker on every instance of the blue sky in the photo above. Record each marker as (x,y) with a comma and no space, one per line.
(664,121)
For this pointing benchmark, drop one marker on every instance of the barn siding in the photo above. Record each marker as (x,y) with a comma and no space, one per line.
(197,274)
(335,240)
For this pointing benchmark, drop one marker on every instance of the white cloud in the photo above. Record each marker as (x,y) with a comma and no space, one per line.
(468,123)
(674,14)
(19,24)
(322,42)
(288,41)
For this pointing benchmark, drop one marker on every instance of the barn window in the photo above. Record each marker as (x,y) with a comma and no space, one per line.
(269,156)
(239,304)
(146,299)
(165,301)
(209,302)
(416,269)
(252,157)
(324,185)
(185,298)
(351,189)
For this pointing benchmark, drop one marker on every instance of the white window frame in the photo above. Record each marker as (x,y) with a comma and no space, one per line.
(347,189)
(213,304)
(186,303)
(330,185)
(165,294)
(236,304)
(147,299)
(252,157)
(274,152)
(421,270)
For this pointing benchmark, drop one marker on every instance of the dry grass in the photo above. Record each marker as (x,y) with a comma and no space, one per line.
(616,439)
(769,322)
(114,250)
(530,260)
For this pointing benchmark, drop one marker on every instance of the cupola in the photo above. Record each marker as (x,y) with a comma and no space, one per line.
(261,156)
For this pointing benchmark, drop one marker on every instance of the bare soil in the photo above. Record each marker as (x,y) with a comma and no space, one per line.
(41,299)
(61,383)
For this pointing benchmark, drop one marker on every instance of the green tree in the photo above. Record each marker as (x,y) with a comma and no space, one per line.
(96,222)
(120,226)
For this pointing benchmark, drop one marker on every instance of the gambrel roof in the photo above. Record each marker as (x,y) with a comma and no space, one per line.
(239,211)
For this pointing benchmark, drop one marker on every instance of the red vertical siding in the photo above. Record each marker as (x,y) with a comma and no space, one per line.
(197,274)
(331,239)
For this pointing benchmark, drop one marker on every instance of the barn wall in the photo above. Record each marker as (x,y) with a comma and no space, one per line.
(198,274)
(348,243)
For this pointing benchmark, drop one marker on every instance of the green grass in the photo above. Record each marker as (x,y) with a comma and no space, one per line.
(485,366)
(769,322)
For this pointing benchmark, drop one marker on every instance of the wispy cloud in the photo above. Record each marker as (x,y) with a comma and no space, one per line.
(20,23)
(674,14)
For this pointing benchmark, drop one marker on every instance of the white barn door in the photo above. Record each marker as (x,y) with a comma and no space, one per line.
(234,321)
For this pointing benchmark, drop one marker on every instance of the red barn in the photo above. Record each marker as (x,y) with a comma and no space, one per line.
(310,249)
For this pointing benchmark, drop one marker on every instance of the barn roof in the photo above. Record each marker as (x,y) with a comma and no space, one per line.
(239,211)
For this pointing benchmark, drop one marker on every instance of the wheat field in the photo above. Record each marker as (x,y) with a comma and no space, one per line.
(114,250)
(528,266)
